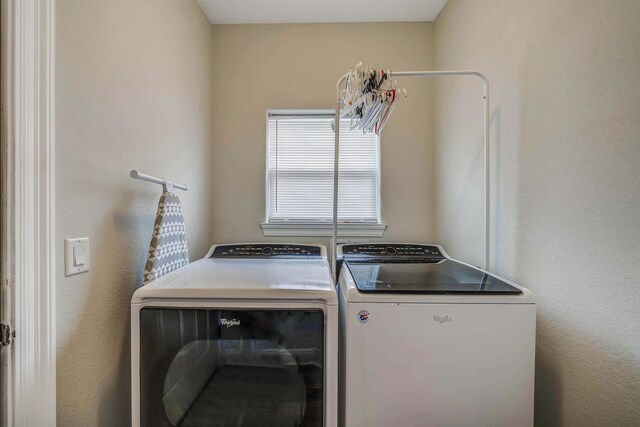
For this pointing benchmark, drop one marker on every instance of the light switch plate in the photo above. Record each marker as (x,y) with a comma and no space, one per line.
(80,262)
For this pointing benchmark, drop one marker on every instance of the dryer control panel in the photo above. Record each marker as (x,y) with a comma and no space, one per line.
(266,250)
(391,250)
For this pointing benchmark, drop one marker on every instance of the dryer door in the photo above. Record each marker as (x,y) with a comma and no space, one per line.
(202,367)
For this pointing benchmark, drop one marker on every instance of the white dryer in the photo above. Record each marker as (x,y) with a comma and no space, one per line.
(246,336)
(430,341)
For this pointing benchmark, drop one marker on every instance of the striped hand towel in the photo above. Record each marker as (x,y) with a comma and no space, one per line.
(168,249)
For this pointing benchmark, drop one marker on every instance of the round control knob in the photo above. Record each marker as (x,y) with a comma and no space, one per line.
(390,250)
(267,251)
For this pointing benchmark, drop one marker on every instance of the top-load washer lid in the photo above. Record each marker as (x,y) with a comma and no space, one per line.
(417,269)
(282,272)
(429,277)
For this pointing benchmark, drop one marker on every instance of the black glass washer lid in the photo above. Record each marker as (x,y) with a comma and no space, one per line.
(443,276)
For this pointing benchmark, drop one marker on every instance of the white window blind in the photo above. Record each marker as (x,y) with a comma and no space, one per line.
(300,170)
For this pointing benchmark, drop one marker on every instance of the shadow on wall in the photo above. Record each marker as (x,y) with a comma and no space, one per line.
(471,185)
(582,371)
(548,396)
(496,188)
(106,318)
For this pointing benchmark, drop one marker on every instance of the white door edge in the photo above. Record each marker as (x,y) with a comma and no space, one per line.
(28,214)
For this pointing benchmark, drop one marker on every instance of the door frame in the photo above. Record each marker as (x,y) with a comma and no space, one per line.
(28,381)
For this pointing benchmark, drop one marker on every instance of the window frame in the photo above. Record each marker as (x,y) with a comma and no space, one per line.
(323,227)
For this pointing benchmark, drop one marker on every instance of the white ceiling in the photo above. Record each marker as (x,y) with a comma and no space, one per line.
(312,11)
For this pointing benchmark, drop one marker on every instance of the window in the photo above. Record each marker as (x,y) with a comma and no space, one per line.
(299,189)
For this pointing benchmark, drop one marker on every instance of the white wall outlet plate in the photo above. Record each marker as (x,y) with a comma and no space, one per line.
(76,256)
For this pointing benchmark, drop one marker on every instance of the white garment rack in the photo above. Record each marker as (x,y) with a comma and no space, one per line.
(487,151)
(166,184)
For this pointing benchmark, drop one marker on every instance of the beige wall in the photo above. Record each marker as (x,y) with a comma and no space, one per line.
(566,129)
(133,90)
(260,67)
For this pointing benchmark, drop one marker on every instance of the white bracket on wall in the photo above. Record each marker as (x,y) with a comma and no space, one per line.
(167,186)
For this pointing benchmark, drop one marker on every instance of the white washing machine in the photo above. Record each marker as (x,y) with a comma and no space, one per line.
(246,337)
(430,341)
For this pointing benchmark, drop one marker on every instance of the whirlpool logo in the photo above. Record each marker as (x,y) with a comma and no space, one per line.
(442,319)
(229,322)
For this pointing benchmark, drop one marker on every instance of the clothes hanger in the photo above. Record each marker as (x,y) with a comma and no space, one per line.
(370,96)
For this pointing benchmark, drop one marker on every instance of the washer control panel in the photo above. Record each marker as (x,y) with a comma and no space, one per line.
(391,250)
(266,251)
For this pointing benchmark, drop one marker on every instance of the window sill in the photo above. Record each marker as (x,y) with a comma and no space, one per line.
(282,229)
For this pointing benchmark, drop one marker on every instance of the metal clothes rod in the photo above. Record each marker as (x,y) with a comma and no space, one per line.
(487,152)
(168,185)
